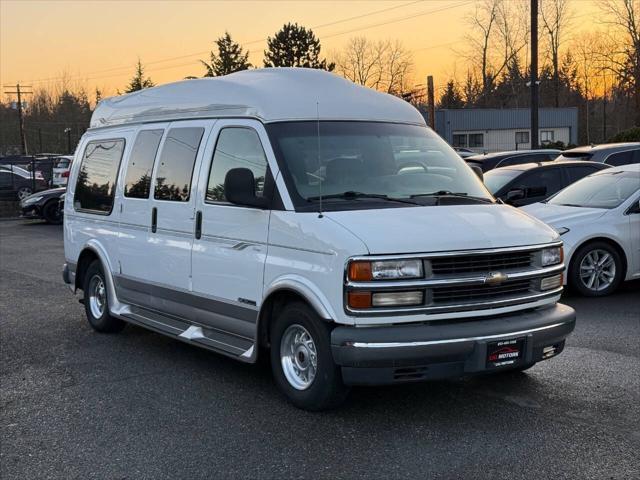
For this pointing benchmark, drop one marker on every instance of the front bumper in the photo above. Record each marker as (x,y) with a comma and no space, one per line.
(402,353)
(31,211)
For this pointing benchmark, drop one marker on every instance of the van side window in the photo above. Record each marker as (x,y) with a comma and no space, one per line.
(237,147)
(178,156)
(138,180)
(96,184)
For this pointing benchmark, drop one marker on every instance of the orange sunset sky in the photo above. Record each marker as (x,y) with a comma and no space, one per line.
(96,43)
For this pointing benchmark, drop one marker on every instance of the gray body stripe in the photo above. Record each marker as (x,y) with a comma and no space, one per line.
(234,319)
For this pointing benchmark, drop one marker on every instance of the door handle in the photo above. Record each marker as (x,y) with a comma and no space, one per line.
(154,220)
(198,225)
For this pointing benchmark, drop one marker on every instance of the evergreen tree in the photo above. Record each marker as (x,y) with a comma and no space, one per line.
(295,46)
(230,58)
(139,82)
(451,97)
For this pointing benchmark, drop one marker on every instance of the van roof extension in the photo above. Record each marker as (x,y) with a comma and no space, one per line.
(268,94)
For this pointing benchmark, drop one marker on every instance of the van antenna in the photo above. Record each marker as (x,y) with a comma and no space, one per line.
(320,178)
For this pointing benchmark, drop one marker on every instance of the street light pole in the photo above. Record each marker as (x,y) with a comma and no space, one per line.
(68,132)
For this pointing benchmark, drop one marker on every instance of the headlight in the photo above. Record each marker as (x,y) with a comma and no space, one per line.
(30,200)
(552,256)
(364,271)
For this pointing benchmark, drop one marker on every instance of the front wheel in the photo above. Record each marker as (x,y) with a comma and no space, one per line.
(52,213)
(301,359)
(596,269)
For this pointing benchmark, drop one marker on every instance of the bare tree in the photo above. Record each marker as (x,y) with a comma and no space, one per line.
(556,17)
(498,34)
(622,18)
(384,65)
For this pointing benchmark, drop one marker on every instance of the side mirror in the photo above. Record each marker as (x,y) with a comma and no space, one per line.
(478,171)
(240,189)
(515,194)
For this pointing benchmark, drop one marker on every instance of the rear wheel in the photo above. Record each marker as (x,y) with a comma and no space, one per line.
(596,269)
(51,212)
(24,192)
(302,362)
(96,301)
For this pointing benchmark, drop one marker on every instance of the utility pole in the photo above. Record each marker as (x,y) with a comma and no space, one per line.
(431,107)
(534,74)
(604,111)
(19,93)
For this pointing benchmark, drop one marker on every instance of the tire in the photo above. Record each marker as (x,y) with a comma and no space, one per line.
(51,212)
(23,192)
(604,263)
(96,302)
(323,389)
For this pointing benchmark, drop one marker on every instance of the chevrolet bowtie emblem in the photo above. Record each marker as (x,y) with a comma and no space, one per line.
(495,278)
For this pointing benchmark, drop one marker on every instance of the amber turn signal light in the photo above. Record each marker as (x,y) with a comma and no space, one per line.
(359,299)
(360,271)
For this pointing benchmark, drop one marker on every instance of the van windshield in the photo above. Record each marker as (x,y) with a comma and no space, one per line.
(370,161)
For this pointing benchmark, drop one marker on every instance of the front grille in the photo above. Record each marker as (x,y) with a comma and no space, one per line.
(480,263)
(474,293)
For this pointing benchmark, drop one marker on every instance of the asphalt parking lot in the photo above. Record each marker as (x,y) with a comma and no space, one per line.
(78,404)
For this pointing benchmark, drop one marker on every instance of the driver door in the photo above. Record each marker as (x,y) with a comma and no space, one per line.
(230,244)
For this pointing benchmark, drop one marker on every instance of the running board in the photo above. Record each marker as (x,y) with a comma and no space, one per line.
(199,335)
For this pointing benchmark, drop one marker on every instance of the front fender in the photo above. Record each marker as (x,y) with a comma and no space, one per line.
(307,289)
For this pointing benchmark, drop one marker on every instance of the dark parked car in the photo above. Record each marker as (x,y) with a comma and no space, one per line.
(14,185)
(45,205)
(520,185)
(614,154)
(516,157)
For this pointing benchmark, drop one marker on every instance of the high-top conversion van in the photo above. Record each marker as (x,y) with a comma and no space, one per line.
(291,213)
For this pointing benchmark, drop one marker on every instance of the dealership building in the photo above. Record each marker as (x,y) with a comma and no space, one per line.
(492,129)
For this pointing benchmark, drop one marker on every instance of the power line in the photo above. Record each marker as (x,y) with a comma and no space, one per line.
(252,42)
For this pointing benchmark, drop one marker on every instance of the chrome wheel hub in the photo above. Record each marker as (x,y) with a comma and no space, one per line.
(97,296)
(298,357)
(597,270)
(23,193)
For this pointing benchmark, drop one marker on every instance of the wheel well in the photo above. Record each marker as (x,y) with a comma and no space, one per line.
(608,241)
(270,309)
(86,258)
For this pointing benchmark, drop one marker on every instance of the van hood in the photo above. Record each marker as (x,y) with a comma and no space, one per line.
(561,215)
(443,228)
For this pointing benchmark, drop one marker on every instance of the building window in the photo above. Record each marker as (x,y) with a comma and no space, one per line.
(476,140)
(546,136)
(459,140)
(522,137)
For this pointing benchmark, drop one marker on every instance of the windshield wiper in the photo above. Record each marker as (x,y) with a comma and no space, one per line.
(449,193)
(350,195)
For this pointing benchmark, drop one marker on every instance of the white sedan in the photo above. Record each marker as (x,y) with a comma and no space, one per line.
(599,220)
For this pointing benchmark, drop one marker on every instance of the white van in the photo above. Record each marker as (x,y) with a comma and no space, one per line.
(291,211)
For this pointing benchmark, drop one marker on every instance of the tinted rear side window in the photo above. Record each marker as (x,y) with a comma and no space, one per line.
(178,156)
(97,178)
(578,172)
(620,158)
(138,180)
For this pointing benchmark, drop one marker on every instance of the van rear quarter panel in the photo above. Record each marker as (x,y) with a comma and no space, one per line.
(82,228)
